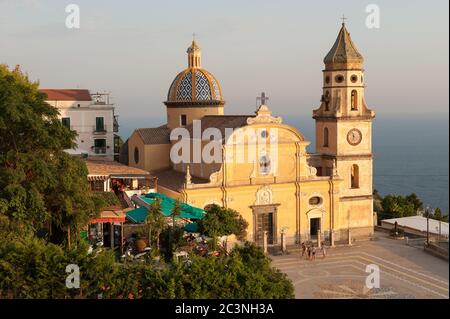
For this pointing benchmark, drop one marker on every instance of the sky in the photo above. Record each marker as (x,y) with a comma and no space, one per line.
(134,49)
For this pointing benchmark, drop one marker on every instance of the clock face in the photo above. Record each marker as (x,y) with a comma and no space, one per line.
(354,137)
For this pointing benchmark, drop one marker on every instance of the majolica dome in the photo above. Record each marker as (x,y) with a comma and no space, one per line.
(194,85)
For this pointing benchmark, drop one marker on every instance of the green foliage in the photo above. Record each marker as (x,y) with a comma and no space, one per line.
(400,206)
(105,199)
(437,214)
(413,199)
(221,221)
(155,222)
(40,184)
(172,238)
(176,211)
(32,268)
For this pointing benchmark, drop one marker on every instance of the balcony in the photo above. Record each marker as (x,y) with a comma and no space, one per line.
(99,150)
(99,130)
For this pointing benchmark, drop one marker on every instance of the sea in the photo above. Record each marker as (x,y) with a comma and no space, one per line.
(411,152)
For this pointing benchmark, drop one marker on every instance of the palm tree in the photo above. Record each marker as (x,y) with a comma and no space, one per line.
(153,217)
(176,211)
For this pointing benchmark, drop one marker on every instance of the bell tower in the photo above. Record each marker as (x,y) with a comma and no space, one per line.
(344,131)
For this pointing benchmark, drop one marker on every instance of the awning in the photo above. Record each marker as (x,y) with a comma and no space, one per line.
(95,178)
(137,215)
(109,217)
(140,214)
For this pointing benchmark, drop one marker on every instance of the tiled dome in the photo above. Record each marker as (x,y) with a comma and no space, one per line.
(194,84)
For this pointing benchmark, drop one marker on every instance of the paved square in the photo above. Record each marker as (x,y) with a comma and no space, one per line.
(405,271)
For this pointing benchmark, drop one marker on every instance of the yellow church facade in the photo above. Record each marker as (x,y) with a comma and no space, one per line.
(259,166)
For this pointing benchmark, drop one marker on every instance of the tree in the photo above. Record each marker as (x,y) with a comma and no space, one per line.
(41,186)
(220,221)
(33,268)
(155,220)
(418,204)
(176,211)
(438,215)
(399,206)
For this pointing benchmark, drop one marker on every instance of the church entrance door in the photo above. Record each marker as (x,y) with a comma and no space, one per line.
(265,221)
(314,226)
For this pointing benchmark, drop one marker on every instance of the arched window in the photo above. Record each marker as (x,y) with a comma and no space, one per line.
(354,176)
(354,100)
(325,137)
(264,165)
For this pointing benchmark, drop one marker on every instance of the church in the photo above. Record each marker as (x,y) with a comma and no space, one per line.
(279,188)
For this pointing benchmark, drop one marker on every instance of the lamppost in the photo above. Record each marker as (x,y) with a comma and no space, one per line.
(427,212)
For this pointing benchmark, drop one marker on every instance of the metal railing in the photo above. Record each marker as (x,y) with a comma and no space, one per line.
(99,129)
(100,150)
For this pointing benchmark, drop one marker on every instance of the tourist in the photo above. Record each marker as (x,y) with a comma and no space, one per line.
(303,249)
(313,253)
(324,253)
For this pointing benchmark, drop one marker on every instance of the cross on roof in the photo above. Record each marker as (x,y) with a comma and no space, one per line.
(343,19)
(263,98)
(193,36)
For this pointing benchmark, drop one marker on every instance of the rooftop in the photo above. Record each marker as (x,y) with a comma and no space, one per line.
(67,94)
(221,122)
(343,50)
(175,180)
(113,168)
(419,223)
(155,135)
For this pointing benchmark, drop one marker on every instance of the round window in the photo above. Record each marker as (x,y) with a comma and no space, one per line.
(316,200)
(354,78)
(136,155)
(339,78)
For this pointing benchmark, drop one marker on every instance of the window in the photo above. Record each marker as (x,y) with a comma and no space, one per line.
(327,79)
(264,134)
(183,120)
(316,200)
(99,124)
(100,146)
(354,78)
(66,122)
(326,100)
(136,155)
(354,101)
(264,164)
(354,176)
(325,137)
(339,78)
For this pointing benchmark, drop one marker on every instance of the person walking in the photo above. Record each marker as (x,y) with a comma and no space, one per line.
(303,249)
(324,253)
(313,253)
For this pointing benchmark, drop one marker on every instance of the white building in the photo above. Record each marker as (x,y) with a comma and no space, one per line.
(91,116)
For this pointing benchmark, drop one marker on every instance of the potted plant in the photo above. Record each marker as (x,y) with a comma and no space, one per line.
(141,242)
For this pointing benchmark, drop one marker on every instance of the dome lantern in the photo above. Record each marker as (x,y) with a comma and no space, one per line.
(194,55)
